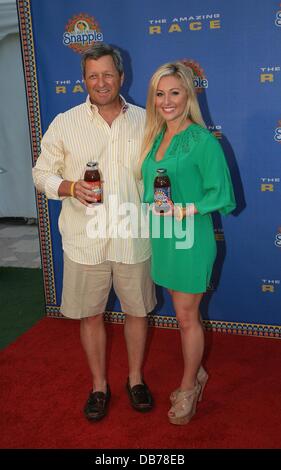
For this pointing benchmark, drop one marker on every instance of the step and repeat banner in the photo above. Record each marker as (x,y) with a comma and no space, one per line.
(234,50)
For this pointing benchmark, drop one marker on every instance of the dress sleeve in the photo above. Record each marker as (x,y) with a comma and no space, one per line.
(216,179)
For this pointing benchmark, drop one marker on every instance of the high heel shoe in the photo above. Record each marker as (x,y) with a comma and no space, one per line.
(202,378)
(184,406)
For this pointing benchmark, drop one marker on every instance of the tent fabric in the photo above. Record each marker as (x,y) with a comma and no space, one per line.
(8,18)
(17,196)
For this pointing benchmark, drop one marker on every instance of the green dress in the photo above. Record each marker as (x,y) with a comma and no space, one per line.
(183,253)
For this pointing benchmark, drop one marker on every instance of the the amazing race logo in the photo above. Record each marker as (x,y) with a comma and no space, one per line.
(199,80)
(181,23)
(81,31)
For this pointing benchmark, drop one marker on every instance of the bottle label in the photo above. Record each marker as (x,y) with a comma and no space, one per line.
(97,190)
(161,199)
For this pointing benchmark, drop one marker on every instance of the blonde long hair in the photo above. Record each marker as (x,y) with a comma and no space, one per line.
(154,122)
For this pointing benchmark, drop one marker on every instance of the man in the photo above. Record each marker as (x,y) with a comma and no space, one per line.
(109,131)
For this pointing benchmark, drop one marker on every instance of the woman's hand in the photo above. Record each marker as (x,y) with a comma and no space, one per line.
(176,210)
(168,210)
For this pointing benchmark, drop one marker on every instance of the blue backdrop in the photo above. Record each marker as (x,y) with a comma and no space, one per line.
(233,47)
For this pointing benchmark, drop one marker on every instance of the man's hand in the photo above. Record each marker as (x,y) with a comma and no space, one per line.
(83,192)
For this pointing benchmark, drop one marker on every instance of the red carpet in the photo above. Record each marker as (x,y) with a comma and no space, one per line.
(45,382)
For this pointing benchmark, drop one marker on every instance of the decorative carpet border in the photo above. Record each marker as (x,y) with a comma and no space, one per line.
(161,321)
(29,64)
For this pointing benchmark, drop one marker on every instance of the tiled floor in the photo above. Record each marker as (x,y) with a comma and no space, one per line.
(19,243)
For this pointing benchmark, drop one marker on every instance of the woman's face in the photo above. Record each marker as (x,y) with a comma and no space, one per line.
(171,98)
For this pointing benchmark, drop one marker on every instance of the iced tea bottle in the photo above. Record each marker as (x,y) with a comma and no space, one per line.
(92,175)
(162,191)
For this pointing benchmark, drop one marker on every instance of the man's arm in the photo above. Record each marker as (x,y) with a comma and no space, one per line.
(48,171)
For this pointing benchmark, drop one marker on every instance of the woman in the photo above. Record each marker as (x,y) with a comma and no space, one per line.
(177,140)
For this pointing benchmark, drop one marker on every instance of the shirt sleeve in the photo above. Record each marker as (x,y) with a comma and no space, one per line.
(216,180)
(48,171)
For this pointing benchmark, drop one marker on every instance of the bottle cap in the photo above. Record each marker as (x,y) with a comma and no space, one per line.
(92,164)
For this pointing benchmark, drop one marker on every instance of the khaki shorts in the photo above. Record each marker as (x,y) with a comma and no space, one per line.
(86,288)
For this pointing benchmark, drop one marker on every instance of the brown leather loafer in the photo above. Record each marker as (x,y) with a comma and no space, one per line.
(140,396)
(97,405)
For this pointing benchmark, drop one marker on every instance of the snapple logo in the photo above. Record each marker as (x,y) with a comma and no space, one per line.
(199,80)
(81,31)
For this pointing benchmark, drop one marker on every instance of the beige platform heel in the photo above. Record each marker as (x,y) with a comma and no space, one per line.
(202,378)
(184,407)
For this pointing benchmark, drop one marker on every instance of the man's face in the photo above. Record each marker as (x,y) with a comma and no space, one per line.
(102,81)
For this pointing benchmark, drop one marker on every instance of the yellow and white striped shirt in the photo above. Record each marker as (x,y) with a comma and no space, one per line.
(74,138)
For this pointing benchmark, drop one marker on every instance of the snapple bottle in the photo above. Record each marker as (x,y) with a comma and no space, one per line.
(162,191)
(92,175)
